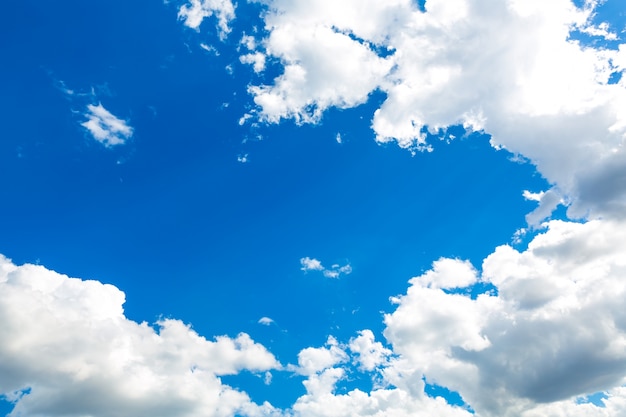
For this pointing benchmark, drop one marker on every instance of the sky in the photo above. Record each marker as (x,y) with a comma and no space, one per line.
(313,208)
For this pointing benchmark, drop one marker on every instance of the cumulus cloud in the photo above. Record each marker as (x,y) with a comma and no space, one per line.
(509,68)
(369,354)
(555,330)
(195,11)
(549,332)
(316,360)
(105,127)
(327,365)
(335,271)
(67,349)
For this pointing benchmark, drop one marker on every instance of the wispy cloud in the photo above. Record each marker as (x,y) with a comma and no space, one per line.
(195,11)
(265,321)
(105,127)
(336,270)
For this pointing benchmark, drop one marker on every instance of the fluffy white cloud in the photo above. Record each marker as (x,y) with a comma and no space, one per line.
(105,127)
(326,366)
(195,11)
(67,349)
(315,360)
(311,264)
(335,271)
(555,330)
(506,67)
(369,353)
(256,59)
(550,333)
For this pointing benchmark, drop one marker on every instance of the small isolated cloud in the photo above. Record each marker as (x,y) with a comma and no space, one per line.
(312,264)
(243,158)
(105,127)
(265,321)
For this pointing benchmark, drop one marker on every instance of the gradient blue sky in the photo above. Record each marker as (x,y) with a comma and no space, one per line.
(207,216)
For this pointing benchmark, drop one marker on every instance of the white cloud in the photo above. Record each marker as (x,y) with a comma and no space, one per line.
(335,271)
(311,264)
(266,321)
(195,11)
(601,30)
(256,59)
(328,365)
(211,49)
(105,127)
(505,67)
(369,353)
(68,341)
(552,332)
(555,330)
(316,360)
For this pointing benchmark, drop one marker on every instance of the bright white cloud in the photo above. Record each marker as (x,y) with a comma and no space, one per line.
(69,343)
(327,365)
(506,67)
(552,332)
(335,271)
(555,330)
(369,353)
(311,264)
(256,59)
(195,11)
(316,360)
(105,127)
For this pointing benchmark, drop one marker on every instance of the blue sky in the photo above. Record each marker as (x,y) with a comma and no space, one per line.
(313,208)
